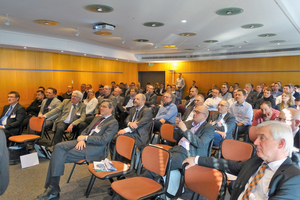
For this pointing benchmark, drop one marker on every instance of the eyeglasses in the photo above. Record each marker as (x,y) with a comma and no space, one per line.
(198,112)
(167,97)
(222,105)
(75,96)
(284,120)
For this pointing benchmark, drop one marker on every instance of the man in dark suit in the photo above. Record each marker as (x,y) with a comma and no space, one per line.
(138,122)
(12,116)
(4,163)
(90,145)
(83,91)
(71,112)
(193,137)
(251,94)
(151,97)
(123,109)
(291,117)
(161,90)
(189,113)
(223,122)
(270,174)
(190,102)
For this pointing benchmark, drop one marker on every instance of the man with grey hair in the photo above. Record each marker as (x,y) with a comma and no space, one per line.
(106,95)
(251,97)
(138,121)
(270,174)
(90,145)
(70,113)
(291,117)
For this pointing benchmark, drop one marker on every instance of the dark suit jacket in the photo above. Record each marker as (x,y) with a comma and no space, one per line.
(251,97)
(259,101)
(96,143)
(199,142)
(297,139)
(157,92)
(284,184)
(120,106)
(191,104)
(150,99)
(144,118)
(229,121)
(187,112)
(4,163)
(13,124)
(296,95)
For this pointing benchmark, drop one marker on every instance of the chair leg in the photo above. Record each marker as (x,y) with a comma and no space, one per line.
(71,172)
(90,185)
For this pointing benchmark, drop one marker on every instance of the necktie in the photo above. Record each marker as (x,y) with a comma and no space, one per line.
(254,182)
(135,115)
(3,119)
(72,113)
(101,119)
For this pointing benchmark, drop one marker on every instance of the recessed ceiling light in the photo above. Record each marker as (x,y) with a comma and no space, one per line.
(229,11)
(98,8)
(103,33)
(84,54)
(210,41)
(189,49)
(187,34)
(207,49)
(169,45)
(62,51)
(267,35)
(141,40)
(153,24)
(240,46)
(25,47)
(252,26)
(46,22)
(227,46)
(183,21)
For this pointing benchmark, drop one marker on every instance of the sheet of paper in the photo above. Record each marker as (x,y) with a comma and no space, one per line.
(29,160)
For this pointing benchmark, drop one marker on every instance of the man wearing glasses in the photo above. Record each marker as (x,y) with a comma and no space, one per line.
(71,112)
(291,117)
(223,122)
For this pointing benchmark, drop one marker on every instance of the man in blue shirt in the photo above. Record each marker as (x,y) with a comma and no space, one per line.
(242,111)
(166,113)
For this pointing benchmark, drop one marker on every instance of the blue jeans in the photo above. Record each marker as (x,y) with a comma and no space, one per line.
(217,140)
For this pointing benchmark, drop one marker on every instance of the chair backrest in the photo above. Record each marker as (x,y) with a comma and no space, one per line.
(210,147)
(166,132)
(235,131)
(125,146)
(156,159)
(181,109)
(252,133)
(236,150)
(37,124)
(158,100)
(208,182)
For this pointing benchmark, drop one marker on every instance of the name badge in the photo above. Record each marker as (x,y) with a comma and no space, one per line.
(49,107)
(97,129)
(13,116)
(78,113)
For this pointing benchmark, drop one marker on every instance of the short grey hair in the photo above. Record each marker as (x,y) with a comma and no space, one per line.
(110,103)
(79,94)
(280,130)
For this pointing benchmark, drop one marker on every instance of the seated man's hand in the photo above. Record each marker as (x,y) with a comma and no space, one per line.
(81,138)
(1,126)
(182,126)
(124,107)
(177,120)
(42,116)
(70,128)
(80,145)
(162,121)
(267,116)
(153,106)
(98,115)
(133,125)
(190,161)
(223,134)
(121,132)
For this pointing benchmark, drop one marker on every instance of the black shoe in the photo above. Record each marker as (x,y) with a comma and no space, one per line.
(50,193)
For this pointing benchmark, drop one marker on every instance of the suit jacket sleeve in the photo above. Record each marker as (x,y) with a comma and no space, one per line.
(56,110)
(152,100)
(146,117)
(4,163)
(205,137)
(108,131)
(20,115)
(230,123)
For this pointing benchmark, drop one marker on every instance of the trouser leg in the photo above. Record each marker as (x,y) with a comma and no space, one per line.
(60,129)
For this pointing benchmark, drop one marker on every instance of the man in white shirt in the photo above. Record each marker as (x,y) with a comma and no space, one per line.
(212,103)
(270,174)
(180,83)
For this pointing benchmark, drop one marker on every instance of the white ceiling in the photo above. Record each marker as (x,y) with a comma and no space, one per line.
(281,17)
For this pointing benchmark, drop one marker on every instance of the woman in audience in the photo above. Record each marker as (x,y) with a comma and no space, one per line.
(90,102)
(287,101)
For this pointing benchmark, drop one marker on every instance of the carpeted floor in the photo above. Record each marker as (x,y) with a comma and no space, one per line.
(27,184)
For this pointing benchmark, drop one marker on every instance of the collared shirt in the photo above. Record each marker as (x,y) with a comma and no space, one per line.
(275,95)
(128,129)
(261,191)
(4,119)
(190,101)
(243,113)
(190,117)
(185,143)
(212,103)
(167,113)
(180,83)
(130,103)
(92,131)
(67,120)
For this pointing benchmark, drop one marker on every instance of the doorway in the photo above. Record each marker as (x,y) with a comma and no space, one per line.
(151,77)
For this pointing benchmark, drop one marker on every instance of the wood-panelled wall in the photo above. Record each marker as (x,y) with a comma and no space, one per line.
(249,70)
(24,71)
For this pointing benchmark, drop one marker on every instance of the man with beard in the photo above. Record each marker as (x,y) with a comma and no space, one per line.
(266,113)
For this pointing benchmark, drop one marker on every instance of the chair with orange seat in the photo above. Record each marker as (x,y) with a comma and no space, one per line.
(252,134)
(166,133)
(154,159)
(208,182)
(36,124)
(181,109)
(158,100)
(236,150)
(126,147)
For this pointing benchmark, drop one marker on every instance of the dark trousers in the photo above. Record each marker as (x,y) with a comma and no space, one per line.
(60,129)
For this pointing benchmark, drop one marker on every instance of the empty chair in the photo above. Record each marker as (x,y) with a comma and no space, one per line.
(252,134)
(236,150)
